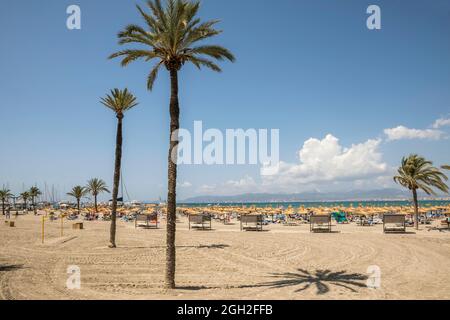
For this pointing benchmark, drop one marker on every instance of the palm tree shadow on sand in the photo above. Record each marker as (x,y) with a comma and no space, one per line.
(10,267)
(321,279)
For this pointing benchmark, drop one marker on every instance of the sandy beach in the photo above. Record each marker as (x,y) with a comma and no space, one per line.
(280,263)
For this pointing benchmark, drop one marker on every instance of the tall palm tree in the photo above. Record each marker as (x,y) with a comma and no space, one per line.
(78,192)
(25,196)
(119,101)
(95,187)
(418,173)
(34,193)
(5,194)
(171,38)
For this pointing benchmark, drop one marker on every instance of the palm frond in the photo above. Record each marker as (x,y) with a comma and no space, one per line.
(96,186)
(78,192)
(199,62)
(152,76)
(416,173)
(35,192)
(5,194)
(172,35)
(217,52)
(119,100)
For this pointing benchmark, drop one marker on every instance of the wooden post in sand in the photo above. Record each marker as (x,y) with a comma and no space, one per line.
(62,225)
(42,236)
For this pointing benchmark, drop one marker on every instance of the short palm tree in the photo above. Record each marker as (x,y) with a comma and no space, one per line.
(78,192)
(34,194)
(95,187)
(119,101)
(5,194)
(25,196)
(418,173)
(171,38)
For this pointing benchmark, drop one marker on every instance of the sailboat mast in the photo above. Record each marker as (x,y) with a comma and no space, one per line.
(121,186)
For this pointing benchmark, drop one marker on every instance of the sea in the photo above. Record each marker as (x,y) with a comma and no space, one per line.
(329,204)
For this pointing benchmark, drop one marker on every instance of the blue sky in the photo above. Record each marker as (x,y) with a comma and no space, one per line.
(309,68)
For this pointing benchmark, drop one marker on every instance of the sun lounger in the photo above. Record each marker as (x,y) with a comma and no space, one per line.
(394,223)
(252,223)
(445,223)
(320,223)
(292,221)
(200,221)
(146,221)
(364,222)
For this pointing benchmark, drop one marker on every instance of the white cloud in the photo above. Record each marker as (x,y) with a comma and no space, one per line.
(185,184)
(207,189)
(442,122)
(246,182)
(231,187)
(324,165)
(325,161)
(404,133)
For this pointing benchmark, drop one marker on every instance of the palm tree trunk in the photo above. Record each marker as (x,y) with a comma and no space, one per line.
(416,210)
(34,205)
(172,181)
(95,204)
(112,239)
(78,205)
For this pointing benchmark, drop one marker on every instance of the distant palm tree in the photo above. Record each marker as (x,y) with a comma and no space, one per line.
(95,187)
(78,192)
(119,101)
(171,38)
(447,167)
(418,173)
(34,193)
(25,196)
(5,194)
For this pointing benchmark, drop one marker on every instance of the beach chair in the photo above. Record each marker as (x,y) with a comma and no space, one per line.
(147,221)
(394,223)
(252,222)
(445,223)
(364,222)
(292,221)
(320,224)
(200,221)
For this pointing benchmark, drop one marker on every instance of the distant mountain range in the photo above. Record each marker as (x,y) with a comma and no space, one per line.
(381,194)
